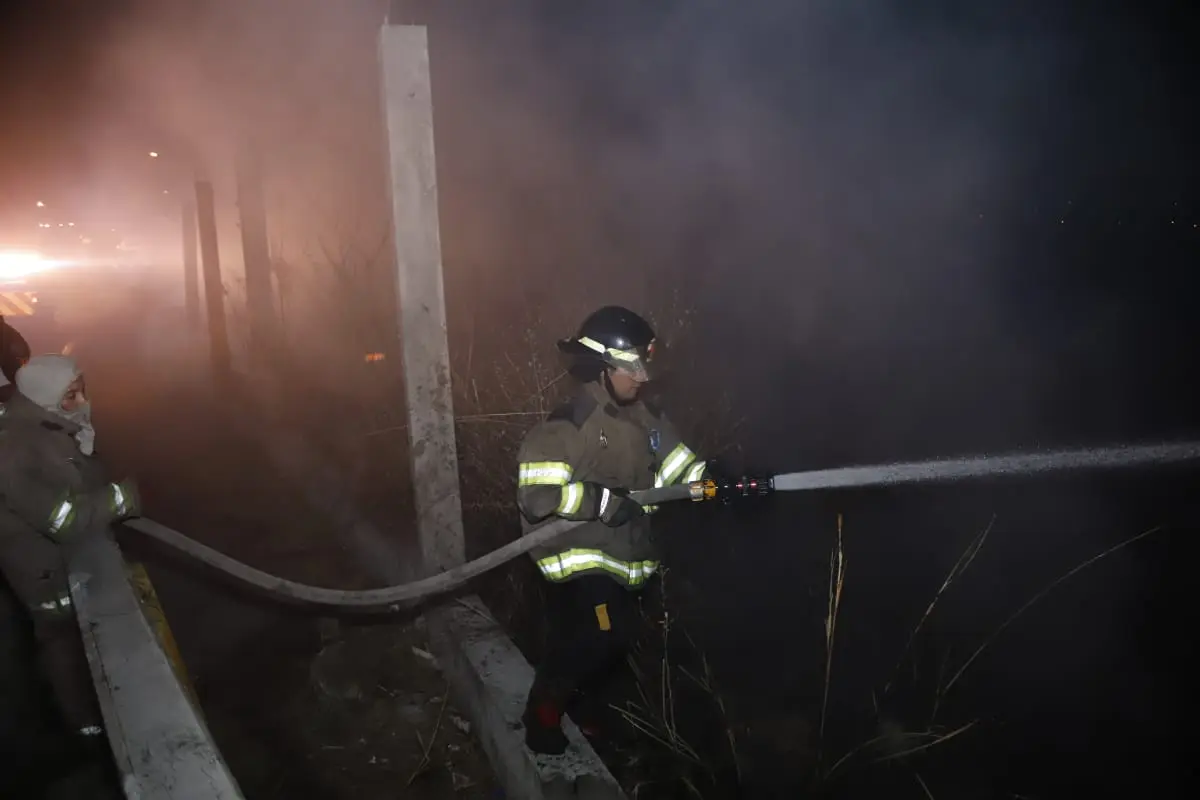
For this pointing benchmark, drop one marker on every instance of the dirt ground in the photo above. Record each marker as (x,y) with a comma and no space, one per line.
(365,716)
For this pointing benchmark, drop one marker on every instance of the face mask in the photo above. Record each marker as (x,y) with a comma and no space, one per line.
(82,416)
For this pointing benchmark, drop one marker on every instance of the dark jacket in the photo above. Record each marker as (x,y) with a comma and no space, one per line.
(48,487)
(588,442)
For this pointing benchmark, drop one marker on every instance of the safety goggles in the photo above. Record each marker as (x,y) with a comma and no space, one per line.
(635,362)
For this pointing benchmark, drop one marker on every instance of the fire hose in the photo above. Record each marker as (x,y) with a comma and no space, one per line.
(391,599)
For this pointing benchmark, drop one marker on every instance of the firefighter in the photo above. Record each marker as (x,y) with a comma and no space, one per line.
(14,351)
(581,463)
(54,495)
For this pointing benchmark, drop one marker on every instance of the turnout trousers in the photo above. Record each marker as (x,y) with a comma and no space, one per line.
(36,571)
(594,623)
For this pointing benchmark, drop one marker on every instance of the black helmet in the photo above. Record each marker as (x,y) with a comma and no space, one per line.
(616,337)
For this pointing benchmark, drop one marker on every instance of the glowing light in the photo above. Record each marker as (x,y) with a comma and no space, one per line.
(40,204)
(20,263)
(153,154)
(374,357)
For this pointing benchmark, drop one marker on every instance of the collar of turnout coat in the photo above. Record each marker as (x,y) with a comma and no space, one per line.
(21,411)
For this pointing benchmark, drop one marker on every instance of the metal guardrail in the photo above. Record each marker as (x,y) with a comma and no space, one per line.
(160,744)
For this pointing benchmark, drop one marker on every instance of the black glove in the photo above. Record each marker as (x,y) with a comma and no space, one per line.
(614,507)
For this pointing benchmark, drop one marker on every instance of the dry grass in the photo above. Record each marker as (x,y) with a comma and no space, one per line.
(837,580)
(893,743)
(663,684)
(427,747)
(960,566)
(958,674)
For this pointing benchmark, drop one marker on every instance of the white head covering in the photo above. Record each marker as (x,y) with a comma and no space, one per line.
(44,380)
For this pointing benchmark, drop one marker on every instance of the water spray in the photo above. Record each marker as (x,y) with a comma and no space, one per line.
(1012,465)
(395,598)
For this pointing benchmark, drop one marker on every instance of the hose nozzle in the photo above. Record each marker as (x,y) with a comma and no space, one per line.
(731,489)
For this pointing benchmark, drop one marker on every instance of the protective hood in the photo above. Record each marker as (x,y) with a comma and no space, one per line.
(44,380)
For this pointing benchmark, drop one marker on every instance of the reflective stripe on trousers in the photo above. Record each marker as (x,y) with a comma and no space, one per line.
(60,603)
(577,561)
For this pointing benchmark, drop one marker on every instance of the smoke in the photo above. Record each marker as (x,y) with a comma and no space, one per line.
(820,180)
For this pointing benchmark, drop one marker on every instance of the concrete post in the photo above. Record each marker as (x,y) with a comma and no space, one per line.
(420,297)
(485,670)
(191,268)
(256,253)
(214,289)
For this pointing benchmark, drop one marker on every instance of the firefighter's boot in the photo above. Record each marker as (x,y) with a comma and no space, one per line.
(587,712)
(543,718)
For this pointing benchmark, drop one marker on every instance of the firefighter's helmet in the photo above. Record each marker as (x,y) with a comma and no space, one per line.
(616,337)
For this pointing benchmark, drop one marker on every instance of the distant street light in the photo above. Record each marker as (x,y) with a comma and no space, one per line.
(153,154)
(40,204)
